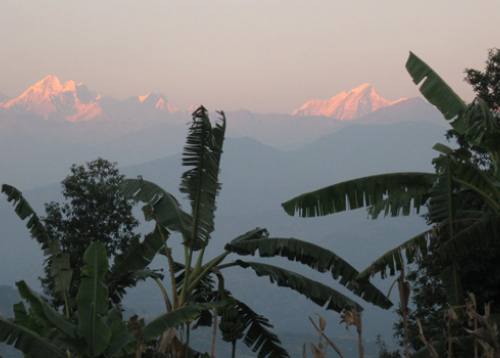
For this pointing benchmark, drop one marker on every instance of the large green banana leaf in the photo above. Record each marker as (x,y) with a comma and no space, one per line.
(258,335)
(58,262)
(135,260)
(393,260)
(45,312)
(317,292)
(202,154)
(317,258)
(120,334)
(28,341)
(436,91)
(401,191)
(174,319)
(92,300)
(160,205)
(24,210)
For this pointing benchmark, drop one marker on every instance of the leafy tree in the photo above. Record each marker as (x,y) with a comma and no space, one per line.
(193,280)
(486,84)
(462,199)
(93,210)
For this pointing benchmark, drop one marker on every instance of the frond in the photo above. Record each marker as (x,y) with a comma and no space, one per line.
(45,312)
(27,341)
(174,319)
(160,205)
(136,259)
(202,154)
(92,300)
(24,210)
(258,335)
(316,257)
(398,192)
(437,91)
(393,260)
(486,227)
(319,293)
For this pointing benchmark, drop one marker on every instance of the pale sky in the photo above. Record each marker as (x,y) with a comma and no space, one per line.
(262,55)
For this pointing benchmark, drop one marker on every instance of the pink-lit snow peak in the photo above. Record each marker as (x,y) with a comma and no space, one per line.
(49,95)
(349,105)
(51,98)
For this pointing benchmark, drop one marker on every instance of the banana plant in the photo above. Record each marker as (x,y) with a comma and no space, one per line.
(96,330)
(446,194)
(193,279)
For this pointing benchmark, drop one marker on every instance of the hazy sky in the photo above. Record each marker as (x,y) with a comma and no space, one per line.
(264,55)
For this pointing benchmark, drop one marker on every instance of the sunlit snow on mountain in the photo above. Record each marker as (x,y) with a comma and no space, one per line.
(51,98)
(358,102)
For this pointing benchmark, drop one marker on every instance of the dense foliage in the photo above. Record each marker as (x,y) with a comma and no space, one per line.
(93,210)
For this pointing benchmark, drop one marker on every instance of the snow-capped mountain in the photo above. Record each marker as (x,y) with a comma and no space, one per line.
(157,101)
(355,103)
(51,98)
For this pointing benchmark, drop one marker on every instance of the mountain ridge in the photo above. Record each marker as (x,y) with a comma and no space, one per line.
(72,101)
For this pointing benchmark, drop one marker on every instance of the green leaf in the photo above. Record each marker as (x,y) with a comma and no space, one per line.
(319,293)
(258,335)
(160,205)
(24,210)
(60,270)
(173,319)
(140,254)
(28,341)
(473,178)
(436,91)
(202,154)
(398,191)
(92,300)
(486,227)
(393,261)
(130,266)
(120,335)
(257,233)
(316,257)
(44,311)
(58,262)
(444,149)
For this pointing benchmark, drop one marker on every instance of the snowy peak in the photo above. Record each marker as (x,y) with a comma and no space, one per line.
(349,105)
(72,101)
(50,97)
(156,101)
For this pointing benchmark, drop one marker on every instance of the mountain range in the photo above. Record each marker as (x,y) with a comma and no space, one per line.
(74,102)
